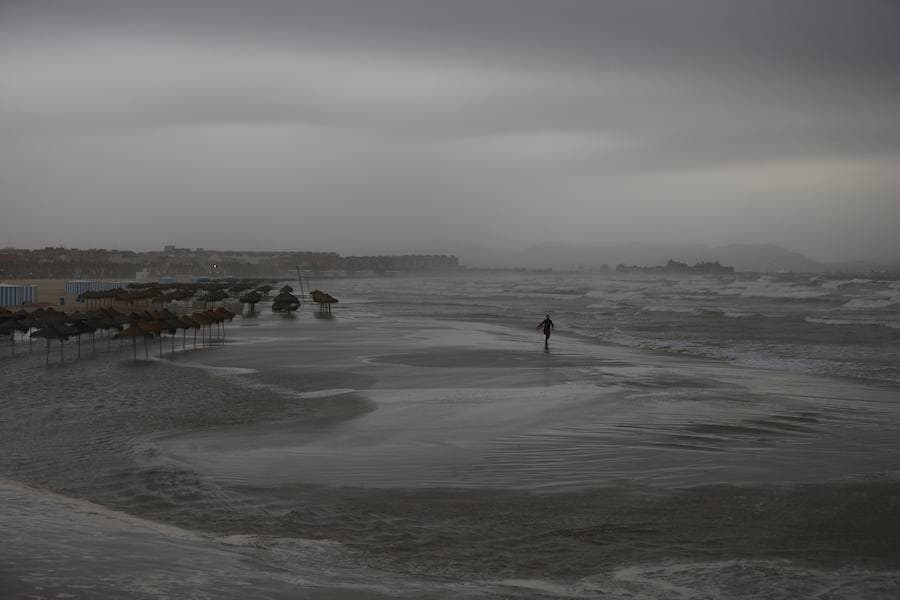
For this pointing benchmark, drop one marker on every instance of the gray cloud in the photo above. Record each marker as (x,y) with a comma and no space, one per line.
(413,123)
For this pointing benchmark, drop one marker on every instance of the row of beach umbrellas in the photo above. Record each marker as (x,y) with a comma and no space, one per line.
(51,324)
(144,294)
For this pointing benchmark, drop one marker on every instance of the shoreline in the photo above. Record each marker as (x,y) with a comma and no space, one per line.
(392,448)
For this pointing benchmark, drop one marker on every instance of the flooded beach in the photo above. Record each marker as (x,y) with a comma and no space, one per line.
(420,443)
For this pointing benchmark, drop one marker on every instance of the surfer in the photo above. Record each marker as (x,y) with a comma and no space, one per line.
(547,326)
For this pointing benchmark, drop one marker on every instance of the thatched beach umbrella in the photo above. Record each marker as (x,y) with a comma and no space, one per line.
(202,320)
(12,322)
(214,318)
(169,322)
(285,301)
(223,314)
(250,298)
(55,329)
(83,325)
(323,300)
(150,328)
(109,319)
(133,331)
(187,323)
(8,327)
(27,323)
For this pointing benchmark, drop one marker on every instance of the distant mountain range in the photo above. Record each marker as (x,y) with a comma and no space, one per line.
(743,257)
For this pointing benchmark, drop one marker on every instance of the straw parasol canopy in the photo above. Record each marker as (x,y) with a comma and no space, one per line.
(285,302)
(323,299)
(55,329)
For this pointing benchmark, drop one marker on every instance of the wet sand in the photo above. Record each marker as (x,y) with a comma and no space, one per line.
(416,458)
(464,406)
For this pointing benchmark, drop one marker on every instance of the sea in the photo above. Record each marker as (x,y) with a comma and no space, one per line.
(684,436)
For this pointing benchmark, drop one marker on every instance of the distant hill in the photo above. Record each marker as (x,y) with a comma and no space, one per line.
(743,257)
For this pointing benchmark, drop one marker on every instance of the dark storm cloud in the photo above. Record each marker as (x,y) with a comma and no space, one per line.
(411,104)
(829,36)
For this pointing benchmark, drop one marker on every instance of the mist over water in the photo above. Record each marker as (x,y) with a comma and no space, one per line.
(683,437)
(841,325)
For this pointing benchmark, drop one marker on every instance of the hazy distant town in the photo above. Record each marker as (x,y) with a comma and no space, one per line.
(171,261)
(59,262)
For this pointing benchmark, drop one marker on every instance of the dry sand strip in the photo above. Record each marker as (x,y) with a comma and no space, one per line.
(49,291)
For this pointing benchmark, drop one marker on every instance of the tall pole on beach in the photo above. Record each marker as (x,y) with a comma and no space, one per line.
(300,281)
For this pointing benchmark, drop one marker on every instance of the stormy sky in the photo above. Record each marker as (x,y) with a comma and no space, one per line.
(417,126)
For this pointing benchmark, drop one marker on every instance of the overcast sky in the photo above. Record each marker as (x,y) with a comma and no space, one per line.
(417,125)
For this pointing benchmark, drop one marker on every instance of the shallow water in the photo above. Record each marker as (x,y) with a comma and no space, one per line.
(420,444)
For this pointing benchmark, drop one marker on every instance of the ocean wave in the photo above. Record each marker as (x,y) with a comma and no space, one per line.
(775,290)
(745,579)
(868,303)
(833,284)
(735,314)
(853,323)
(672,309)
(738,579)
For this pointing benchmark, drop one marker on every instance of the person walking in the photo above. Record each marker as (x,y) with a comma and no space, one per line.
(547,326)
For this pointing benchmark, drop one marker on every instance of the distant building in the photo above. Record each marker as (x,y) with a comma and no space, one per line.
(80,286)
(15,295)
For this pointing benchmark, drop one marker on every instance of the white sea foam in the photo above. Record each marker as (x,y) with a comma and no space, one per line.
(217,370)
(747,579)
(766,288)
(868,303)
(829,321)
(846,322)
(672,309)
(738,579)
(325,393)
(736,314)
